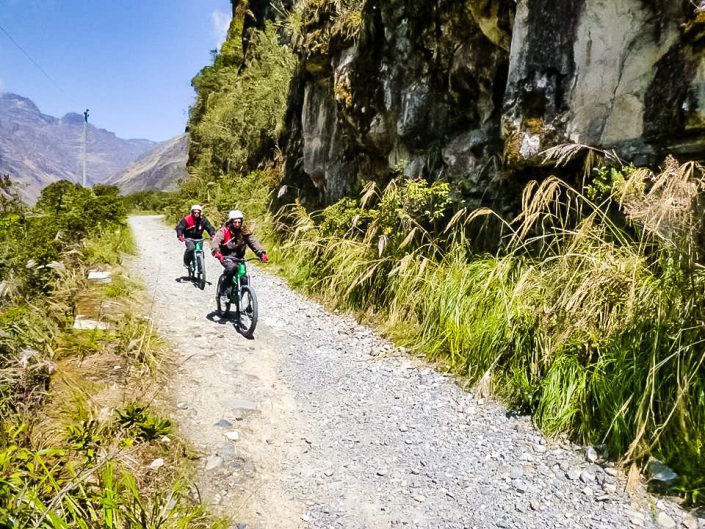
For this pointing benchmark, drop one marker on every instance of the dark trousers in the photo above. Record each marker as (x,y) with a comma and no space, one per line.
(230,267)
(188,253)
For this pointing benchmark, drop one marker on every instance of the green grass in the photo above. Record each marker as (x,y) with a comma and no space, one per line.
(121,287)
(108,246)
(45,489)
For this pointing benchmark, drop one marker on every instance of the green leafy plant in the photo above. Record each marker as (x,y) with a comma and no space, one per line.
(135,419)
(604,183)
(319,27)
(84,436)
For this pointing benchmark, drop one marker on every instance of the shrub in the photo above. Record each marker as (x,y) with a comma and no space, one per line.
(148,201)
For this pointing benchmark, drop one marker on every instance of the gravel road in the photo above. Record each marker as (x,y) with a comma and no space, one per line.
(319,423)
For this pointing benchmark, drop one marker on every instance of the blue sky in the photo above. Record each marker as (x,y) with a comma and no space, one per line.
(129,62)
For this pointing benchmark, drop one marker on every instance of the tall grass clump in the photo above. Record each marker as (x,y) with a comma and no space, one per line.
(348,251)
(83,485)
(108,247)
(589,316)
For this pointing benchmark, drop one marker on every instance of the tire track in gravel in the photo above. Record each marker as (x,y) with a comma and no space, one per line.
(338,429)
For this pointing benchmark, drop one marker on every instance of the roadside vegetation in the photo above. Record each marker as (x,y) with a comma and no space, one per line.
(587,314)
(152,201)
(83,442)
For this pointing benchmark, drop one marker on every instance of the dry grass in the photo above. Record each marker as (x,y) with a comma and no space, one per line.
(672,207)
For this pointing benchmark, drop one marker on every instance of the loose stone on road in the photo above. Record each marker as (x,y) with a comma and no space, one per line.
(319,423)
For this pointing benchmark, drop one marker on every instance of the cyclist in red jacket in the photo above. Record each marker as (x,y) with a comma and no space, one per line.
(192,226)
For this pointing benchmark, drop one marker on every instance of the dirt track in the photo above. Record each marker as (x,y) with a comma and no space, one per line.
(335,428)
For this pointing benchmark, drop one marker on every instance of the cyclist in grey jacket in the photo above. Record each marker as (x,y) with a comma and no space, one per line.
(232,240)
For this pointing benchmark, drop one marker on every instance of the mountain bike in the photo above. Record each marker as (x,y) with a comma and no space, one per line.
(197,265)
(241,296)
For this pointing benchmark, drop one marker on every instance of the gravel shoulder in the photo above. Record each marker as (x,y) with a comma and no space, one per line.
(319,423)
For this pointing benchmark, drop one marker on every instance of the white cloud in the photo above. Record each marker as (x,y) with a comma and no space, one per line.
(221,22)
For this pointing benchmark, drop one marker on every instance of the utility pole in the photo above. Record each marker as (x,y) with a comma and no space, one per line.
(83,147)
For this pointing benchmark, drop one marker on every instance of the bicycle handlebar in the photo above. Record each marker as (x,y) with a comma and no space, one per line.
(240,259)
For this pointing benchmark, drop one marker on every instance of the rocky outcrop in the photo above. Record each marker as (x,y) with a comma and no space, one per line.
(473,91)
(160,169)
(609,74)
(37,149)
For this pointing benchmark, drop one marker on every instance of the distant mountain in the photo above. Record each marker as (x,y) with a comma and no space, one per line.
(161,168)
(36,149)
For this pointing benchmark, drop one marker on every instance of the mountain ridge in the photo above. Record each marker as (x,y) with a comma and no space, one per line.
(37,149)
(161,168)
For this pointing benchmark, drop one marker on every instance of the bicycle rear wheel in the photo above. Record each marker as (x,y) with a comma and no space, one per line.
(200,271)
(247,311)
(223,306)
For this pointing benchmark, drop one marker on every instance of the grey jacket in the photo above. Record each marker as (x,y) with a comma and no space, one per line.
(235,243)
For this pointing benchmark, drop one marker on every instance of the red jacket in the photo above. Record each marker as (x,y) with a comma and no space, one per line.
(189,228)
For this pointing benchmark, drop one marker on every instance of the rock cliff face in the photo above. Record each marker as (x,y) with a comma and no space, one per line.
(472,91)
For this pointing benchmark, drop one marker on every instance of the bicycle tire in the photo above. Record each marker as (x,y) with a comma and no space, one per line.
(247,311)
(223,308)
(200,271)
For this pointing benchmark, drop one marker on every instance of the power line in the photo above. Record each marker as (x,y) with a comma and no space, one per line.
(56,85)
(35,63)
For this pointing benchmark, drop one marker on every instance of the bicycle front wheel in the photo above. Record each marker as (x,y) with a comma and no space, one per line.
(200,271)
(247,311)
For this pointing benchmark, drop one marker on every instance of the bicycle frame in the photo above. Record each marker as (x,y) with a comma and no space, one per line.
(197,249)
(238,283)
(196,266)
(197,245)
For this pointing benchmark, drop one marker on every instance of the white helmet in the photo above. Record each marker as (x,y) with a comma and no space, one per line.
(196,207)
(236,214)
